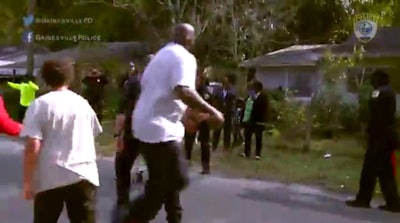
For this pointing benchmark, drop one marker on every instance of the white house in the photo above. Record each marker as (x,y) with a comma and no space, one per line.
(296,67)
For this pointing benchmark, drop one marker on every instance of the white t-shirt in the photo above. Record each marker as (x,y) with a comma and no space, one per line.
(158,111)
(67,126)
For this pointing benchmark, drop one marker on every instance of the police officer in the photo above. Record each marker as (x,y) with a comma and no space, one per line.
(127,145)
(382,140)
(205,91)
(94,83)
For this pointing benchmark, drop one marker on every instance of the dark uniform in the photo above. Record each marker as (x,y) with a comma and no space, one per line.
(382,140)
(204,134)
(125,158)
(225,100)
(94,93)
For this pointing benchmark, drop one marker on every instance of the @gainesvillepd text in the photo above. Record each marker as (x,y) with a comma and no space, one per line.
(74,38)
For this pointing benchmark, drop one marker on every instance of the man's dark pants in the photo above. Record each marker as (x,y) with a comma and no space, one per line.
(204,138)
(227,128)
(168,176)
(377,164)
(124,160)
(21,112)
(249,130)
(79,198)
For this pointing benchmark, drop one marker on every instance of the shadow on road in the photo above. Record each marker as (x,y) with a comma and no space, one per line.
(318,203)
(11,169)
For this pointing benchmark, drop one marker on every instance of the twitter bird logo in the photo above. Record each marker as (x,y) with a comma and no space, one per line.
(28,20)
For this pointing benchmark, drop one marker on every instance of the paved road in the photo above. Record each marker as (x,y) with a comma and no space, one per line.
(209,199)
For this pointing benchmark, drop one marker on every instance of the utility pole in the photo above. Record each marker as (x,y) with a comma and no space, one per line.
(30,56)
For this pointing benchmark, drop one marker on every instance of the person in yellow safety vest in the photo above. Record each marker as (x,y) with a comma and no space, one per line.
(27,95)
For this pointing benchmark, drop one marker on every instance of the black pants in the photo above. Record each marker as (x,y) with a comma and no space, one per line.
(79,198)
(168,176)
(97,106)
(238,137)
(227,128)
(204,138)
(21,113)
(378,165)
(123,164)
(249,130)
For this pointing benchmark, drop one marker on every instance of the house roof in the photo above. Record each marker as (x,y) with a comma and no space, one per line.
(296,55)
(124,51)
(385,44)
(15,54)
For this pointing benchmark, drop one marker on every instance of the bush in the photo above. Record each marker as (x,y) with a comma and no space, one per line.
(289,118)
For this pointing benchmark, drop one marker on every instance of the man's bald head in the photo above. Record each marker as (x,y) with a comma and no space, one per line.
(184,34)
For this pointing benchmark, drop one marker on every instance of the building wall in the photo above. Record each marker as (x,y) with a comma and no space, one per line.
(302,81)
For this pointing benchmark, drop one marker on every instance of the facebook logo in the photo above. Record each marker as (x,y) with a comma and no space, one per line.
(27,36)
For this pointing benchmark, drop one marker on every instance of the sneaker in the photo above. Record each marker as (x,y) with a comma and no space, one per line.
(257,157)
(357,204)
(395,209)
(205,172)
(244,155)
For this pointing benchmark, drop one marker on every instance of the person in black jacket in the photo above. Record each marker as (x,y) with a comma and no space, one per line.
(225,101)
(204,91)
(255,122)
(382,140)
(94,83)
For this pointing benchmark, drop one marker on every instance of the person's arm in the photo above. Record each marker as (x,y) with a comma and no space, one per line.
(120,117)
(96,126)
(33,86)
(196,116)
(104,80)
(32,130)
(128,101)
(14,85)
(387,101)
(85,80)
(31,154)
(7,125)
(183,79)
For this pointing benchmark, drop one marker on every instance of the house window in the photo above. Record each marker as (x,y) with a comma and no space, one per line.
(301,84)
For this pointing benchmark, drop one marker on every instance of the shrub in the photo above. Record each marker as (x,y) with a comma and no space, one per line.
(289,117)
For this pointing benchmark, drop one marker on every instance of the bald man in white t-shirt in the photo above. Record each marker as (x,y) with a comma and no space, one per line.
(168,87)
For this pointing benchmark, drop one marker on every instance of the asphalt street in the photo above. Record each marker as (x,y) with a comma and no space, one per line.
(209,199)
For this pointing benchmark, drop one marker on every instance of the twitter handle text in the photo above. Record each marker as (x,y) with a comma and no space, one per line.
(63,21)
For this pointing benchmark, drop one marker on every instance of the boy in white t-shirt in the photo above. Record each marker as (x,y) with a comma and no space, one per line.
(60,158)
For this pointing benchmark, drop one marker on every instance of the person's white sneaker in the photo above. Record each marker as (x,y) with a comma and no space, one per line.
(257,157)
(243,155)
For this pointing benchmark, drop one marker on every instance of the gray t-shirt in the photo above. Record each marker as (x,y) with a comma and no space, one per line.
(66,125)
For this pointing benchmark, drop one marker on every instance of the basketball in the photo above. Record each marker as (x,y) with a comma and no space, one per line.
(191,126)
(192,119)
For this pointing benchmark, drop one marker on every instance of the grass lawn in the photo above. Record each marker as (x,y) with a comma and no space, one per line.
(340,172)
(105,142)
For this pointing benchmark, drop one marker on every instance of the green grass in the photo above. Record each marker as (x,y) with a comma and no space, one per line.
(293,165)
(289,164)
(340,172)
(105,141)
